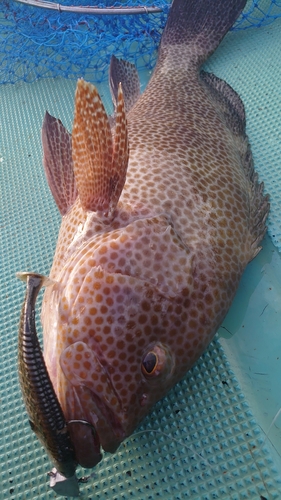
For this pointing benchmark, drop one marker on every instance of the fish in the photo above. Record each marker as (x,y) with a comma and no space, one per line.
(161,212)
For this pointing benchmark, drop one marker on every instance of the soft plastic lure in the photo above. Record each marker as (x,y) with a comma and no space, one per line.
(45,414)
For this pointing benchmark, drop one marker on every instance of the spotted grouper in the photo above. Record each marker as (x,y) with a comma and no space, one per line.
(161,212)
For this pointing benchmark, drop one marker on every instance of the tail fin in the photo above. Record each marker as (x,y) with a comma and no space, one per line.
(201,24)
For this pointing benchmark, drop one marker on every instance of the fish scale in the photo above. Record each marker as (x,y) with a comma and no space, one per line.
(169,211)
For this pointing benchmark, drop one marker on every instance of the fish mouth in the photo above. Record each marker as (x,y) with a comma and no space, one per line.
(100,428)
(107,425)
(94,400)
(86,443)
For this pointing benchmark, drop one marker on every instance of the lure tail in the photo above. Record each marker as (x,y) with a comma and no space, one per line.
(199,24)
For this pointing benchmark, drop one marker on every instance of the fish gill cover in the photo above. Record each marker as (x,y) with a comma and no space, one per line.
(40,42)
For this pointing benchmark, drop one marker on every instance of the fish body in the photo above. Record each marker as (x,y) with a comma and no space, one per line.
(161,215)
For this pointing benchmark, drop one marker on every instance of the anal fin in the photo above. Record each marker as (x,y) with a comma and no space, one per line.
(57,160)
(100,163)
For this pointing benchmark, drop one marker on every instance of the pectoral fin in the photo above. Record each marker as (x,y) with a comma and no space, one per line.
(100,164)
(57,160)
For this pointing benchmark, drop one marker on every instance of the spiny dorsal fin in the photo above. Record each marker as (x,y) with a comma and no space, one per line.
(126,73)
(57,161)
(100,165)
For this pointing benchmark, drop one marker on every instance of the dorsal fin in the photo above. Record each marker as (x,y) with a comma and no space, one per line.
(100,165)
(126,73)
(231,107)
(57,161)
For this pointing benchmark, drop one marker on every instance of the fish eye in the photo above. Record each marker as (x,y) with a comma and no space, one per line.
(149,363)
(157,361)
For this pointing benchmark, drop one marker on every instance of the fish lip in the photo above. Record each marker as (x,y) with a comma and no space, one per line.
(81,401)
(108,426)
(85,440)
(98,427)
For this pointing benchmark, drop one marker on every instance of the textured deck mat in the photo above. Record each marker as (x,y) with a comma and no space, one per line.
(202,441)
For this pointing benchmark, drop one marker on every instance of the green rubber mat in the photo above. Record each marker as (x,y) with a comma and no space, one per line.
(207,439)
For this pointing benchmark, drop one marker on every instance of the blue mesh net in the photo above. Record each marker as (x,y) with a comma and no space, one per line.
(39,42)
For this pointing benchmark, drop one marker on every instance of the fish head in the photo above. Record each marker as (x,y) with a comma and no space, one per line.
(114,325)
